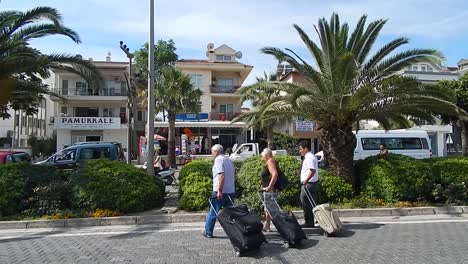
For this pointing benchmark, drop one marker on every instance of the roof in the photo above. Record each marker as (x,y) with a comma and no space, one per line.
(206,62)
(211,124)
(452,68)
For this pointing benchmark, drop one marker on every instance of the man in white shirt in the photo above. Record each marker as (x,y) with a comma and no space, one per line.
(309,180)
(223,187)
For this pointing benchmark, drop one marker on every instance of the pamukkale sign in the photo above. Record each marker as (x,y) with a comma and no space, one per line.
(86,123)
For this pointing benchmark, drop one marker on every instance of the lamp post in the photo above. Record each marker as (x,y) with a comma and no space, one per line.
(130,102)
(151,76)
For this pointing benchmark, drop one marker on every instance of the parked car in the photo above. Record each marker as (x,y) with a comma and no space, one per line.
(247,150)
(73,156)
(14,156)
(410,142)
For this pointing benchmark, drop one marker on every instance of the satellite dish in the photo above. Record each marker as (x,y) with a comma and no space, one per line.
(210,46)
(208,54)
(238,54)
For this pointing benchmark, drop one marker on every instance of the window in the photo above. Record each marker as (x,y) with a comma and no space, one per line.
(226,108)
(226,85)
(429,68)
(140,115)
(223,57)
(64,110)
(425,144)
(415,68)
(108,112)
(95,153)
(81,88)
(123,88)
(197,80)
(423,68)
(391,143)
(65,87)
(17,120)
(65,155)
(22,157)
(87,112)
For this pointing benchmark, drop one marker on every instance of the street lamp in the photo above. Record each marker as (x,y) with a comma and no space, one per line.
(130,102)
(151,76)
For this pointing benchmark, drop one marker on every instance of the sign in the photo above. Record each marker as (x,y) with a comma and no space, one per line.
(87,123)
(200,117)
(304,126)
(449,140)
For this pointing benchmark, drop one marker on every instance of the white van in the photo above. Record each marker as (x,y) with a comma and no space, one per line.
(409,142)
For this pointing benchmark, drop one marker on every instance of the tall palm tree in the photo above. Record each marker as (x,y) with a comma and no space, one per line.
(22,66)
(175,94)
(254,118)
(347,84)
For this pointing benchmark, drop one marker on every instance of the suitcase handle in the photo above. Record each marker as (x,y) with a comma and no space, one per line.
(211,204)
(263,201)
(309,196)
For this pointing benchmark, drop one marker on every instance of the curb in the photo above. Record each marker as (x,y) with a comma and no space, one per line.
(200,217)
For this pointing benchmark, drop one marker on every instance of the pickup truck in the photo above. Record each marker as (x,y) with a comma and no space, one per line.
(247,150)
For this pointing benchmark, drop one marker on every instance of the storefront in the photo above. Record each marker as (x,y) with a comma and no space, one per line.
(84,129)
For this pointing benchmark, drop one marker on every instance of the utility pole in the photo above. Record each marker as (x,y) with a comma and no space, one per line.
(130,102)
(151,76)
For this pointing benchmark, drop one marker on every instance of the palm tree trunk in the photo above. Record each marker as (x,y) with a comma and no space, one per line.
(269,132)
(171,141)
(338,148)
(465,136)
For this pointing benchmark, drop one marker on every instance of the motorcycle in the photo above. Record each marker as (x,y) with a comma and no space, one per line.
(167,175)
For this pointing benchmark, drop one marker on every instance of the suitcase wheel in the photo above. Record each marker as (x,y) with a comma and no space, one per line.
(238,253)
(326,234)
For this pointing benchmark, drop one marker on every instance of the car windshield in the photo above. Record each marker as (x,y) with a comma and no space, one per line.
(22,157)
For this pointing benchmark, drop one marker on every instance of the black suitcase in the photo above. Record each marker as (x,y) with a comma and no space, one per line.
(243,228)
(287,225)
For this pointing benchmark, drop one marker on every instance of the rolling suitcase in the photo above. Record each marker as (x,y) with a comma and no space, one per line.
(243,228)
(286,224)
(328,220)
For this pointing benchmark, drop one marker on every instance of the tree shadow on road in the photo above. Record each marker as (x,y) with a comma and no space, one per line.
(139,231)
(31,236)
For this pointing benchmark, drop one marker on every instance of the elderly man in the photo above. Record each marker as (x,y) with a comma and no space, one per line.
(223,187)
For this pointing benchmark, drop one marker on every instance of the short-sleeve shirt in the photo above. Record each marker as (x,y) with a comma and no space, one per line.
(310,162)
(226,166)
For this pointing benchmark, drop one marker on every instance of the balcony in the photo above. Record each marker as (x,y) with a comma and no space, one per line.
(88,92)
(218,116)
(223,88)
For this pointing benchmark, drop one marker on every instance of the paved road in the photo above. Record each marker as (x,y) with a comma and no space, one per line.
(438,239)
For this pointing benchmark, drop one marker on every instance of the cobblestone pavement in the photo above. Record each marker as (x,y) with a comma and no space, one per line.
(394,241)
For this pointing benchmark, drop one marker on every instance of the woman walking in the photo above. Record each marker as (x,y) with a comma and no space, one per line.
(270,192)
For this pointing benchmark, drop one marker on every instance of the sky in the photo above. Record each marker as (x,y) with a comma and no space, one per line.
(246,25)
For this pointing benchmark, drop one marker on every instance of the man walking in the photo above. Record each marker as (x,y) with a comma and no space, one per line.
(309,180)
(223,187)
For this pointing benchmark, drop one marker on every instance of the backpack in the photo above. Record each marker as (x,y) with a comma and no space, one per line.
(282,182)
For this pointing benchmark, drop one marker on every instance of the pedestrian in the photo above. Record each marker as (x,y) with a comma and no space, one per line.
(223,187)
(382,150)
(270,192)
(309,180)
(157,162)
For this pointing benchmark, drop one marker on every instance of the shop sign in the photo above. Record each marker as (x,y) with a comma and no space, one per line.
(304,126)
(87,123)
(203,117)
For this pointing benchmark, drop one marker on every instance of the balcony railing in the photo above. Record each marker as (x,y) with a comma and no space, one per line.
(223,88)
(89,92)
(223,116)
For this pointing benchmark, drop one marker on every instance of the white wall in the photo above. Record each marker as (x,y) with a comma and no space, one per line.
(63,138)
(116,135)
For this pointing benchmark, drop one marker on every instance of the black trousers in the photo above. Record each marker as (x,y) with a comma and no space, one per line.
(306,205)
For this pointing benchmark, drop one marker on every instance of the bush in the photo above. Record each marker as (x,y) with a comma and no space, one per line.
(11,189)
(201,166)
(249,180)
(118,186)
(287,142)
(397,177)
(451,176)
(334,189)
(197,188)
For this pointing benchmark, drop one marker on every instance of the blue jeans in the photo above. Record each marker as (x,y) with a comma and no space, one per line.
(217,204)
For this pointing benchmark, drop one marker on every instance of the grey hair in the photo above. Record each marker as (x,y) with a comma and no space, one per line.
(267,152)
(218,148)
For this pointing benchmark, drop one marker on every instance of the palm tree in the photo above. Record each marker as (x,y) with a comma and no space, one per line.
(254,118)
(175,94)
(21,65)
(347,84)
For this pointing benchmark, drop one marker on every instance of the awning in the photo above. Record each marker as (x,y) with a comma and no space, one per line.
(212,124)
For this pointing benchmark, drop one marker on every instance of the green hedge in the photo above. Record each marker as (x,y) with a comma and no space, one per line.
(202,167)
(396,177)
(334,189)
(249,179)
(11,189)
(197,189)
(451,176)
(118,186)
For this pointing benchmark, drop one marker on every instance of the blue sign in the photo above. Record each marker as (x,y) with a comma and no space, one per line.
(194,117)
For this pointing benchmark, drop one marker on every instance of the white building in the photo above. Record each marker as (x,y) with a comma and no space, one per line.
(89,113)
(219,76)
(430,73)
